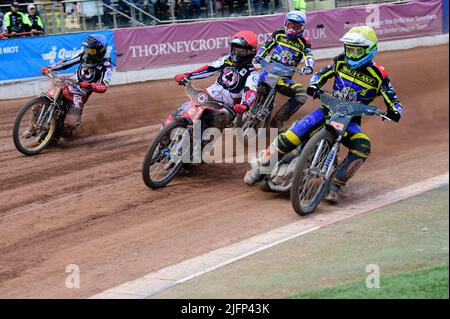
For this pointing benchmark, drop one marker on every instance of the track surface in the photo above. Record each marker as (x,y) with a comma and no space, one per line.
(85,203)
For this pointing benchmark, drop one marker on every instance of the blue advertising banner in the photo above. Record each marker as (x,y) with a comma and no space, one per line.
(24,57)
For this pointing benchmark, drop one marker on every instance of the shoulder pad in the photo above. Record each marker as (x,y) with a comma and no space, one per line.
(340,57)
(277,32)
(381,69)
(305,40)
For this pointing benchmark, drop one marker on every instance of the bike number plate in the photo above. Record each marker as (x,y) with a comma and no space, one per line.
(338,126)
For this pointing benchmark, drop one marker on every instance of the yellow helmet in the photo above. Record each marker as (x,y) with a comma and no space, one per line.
(360,45)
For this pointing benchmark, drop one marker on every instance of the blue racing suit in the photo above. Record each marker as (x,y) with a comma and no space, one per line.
(361,85)
(289,52)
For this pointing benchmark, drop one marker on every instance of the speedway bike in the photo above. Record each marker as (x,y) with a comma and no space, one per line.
(258,116)
(318,161)
(41,120)
(178,140)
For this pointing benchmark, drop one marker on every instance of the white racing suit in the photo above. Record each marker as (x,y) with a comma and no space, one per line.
(234,85)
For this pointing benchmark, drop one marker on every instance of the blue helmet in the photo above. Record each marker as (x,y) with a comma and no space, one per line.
(294,24)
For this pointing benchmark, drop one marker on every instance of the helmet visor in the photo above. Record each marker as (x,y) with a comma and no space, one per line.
(354,52)
(91,51)
(294,27)
(236,51)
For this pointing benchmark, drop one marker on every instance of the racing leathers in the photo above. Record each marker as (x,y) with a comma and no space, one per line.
(289,52)
(234,85)
(90,79)
(362,85)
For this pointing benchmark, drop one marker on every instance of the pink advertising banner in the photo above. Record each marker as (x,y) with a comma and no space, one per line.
(187,43)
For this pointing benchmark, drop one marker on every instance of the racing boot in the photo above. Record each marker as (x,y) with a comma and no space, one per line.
(73,117)
(333,193)
(260,164)
(285,112)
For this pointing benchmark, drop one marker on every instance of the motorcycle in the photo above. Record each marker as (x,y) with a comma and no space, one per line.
(41,120)
(176,143)
(258,116)
(318,161)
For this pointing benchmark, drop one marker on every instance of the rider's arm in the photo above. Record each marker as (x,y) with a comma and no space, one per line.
(268,45)
(63,64)
(387,91)
(251,84)
(307,53)
(102,85)
(324,74)
(209,69)
(390,96)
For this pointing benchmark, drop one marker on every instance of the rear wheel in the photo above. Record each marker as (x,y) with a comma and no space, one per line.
(34,127)
(165,155)
(308,187)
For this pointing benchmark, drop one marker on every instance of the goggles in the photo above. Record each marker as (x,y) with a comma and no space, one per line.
(295,26)
(354,52)
(241,52)
(91,51)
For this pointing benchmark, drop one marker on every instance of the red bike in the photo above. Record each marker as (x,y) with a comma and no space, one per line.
(42,119)
(179,140)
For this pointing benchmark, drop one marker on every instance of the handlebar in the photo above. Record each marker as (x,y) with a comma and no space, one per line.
(382,115)
(288,69)
(60,80)
(184,82)
(366,109)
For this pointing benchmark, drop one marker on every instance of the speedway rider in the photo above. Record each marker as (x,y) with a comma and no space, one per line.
(356,78)
(93,74)
(289,47)
(237,80)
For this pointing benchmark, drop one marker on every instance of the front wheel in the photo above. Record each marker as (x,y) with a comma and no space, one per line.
(253,120)
(166,154)
(308,186)
(34,127)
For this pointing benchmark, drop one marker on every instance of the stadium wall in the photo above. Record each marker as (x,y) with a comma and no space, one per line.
(158,52)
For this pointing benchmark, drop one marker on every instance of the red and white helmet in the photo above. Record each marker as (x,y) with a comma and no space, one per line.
(243,47)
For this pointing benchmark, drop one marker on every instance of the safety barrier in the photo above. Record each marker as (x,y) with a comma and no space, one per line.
(23,57)
(190,43)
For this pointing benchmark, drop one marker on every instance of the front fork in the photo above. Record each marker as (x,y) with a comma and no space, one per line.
(266,108)
(327,168)
(45,116)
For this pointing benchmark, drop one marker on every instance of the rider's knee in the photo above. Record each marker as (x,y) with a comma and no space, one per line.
(287,141)
(361,146)
(301,99)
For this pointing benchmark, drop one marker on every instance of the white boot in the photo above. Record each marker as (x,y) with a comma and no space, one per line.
(254,175)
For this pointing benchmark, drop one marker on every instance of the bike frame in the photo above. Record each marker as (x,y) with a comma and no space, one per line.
(200,101)
(54,95)
(273,72)
(342,114)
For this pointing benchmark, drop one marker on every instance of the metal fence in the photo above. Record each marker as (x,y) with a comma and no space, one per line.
(88,15)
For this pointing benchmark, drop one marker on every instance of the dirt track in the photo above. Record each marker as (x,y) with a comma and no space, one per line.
(85,203)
